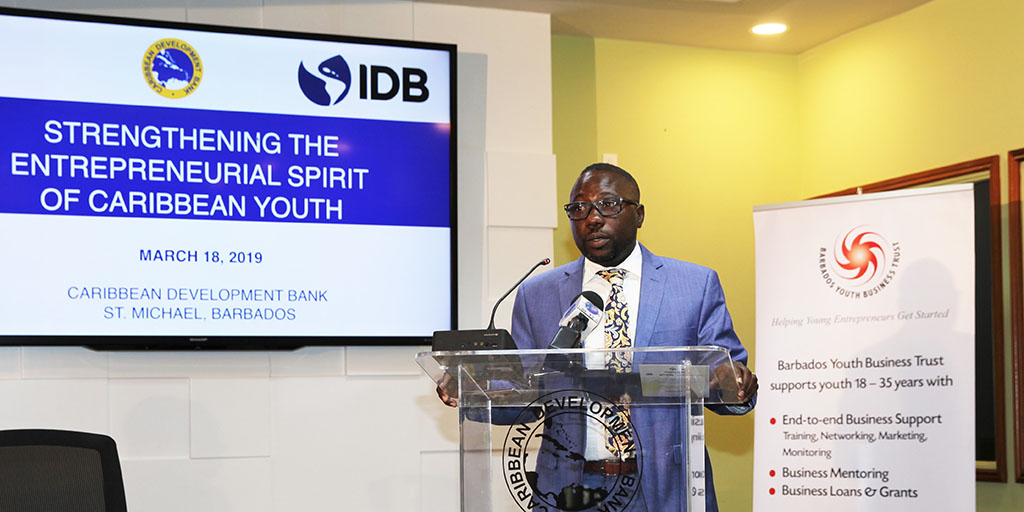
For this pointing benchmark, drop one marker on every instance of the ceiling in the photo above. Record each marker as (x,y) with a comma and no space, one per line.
(722,24)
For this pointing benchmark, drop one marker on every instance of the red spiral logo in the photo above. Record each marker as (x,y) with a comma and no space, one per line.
(859,255)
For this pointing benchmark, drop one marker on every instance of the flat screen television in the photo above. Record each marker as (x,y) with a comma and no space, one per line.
(170,185)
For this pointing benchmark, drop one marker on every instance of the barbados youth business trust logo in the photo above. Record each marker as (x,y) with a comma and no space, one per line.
(860,263)
(172,68)
(329,85)
(547,434)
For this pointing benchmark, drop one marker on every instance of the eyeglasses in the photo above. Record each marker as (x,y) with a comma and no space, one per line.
(607,207)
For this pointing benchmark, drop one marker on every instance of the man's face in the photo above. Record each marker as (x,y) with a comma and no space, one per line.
(606,241)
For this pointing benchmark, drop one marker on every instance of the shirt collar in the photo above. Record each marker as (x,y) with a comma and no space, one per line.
(632,264)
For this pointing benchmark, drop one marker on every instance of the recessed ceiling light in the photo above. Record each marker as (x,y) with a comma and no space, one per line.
(765,29)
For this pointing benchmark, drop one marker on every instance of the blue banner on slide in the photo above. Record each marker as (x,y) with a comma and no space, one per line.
(68,158)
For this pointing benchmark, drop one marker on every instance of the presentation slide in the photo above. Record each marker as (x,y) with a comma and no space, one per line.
(184,181)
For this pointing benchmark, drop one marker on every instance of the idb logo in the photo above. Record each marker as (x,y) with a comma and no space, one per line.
(333,80)
(331,86)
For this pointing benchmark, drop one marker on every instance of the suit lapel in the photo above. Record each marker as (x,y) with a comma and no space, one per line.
(570,285)
(652,288)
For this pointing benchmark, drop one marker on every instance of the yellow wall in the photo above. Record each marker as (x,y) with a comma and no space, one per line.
(937,85)
(709,134)
(573,90)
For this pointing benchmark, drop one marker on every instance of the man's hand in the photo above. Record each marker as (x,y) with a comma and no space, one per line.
(444,388)
(744,386)
(746,381)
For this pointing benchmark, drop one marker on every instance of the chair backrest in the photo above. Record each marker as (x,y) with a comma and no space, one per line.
(59,471)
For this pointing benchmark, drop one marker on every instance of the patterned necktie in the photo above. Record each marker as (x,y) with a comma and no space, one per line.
(616,335)
(616,322)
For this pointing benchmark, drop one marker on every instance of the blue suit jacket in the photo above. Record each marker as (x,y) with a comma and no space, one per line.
(680,304)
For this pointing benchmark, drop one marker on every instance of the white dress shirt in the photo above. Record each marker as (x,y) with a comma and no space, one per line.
(633,265)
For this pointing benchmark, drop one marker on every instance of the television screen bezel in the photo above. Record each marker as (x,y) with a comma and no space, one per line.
(276,342)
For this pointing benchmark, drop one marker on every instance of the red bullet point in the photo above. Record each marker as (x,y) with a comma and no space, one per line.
(773,421)
(771,473)
(771,491)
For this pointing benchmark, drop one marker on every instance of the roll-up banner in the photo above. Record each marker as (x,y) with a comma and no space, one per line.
(865,353)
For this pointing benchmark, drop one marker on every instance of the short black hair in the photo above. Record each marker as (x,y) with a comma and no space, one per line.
(606,167)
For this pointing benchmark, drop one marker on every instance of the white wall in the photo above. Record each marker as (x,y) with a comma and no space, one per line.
(355,428)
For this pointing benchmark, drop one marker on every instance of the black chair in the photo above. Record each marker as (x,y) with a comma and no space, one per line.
(59,471)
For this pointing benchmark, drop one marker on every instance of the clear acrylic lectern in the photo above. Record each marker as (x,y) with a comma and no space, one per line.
(555,430)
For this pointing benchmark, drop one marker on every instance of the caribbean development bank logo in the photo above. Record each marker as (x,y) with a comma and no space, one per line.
(172,68)
(860,264)
(329,85)
(548,434)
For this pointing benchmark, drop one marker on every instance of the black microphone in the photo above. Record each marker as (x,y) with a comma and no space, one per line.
(481,339)
(544,261)
(582,317)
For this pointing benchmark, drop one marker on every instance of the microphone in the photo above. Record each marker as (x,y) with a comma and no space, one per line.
(582,317)
(544,261)
(481,339)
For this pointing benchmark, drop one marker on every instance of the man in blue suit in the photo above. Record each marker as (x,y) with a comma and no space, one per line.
(669,303)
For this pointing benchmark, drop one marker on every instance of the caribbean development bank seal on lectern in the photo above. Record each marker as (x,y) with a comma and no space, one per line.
(556,430)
